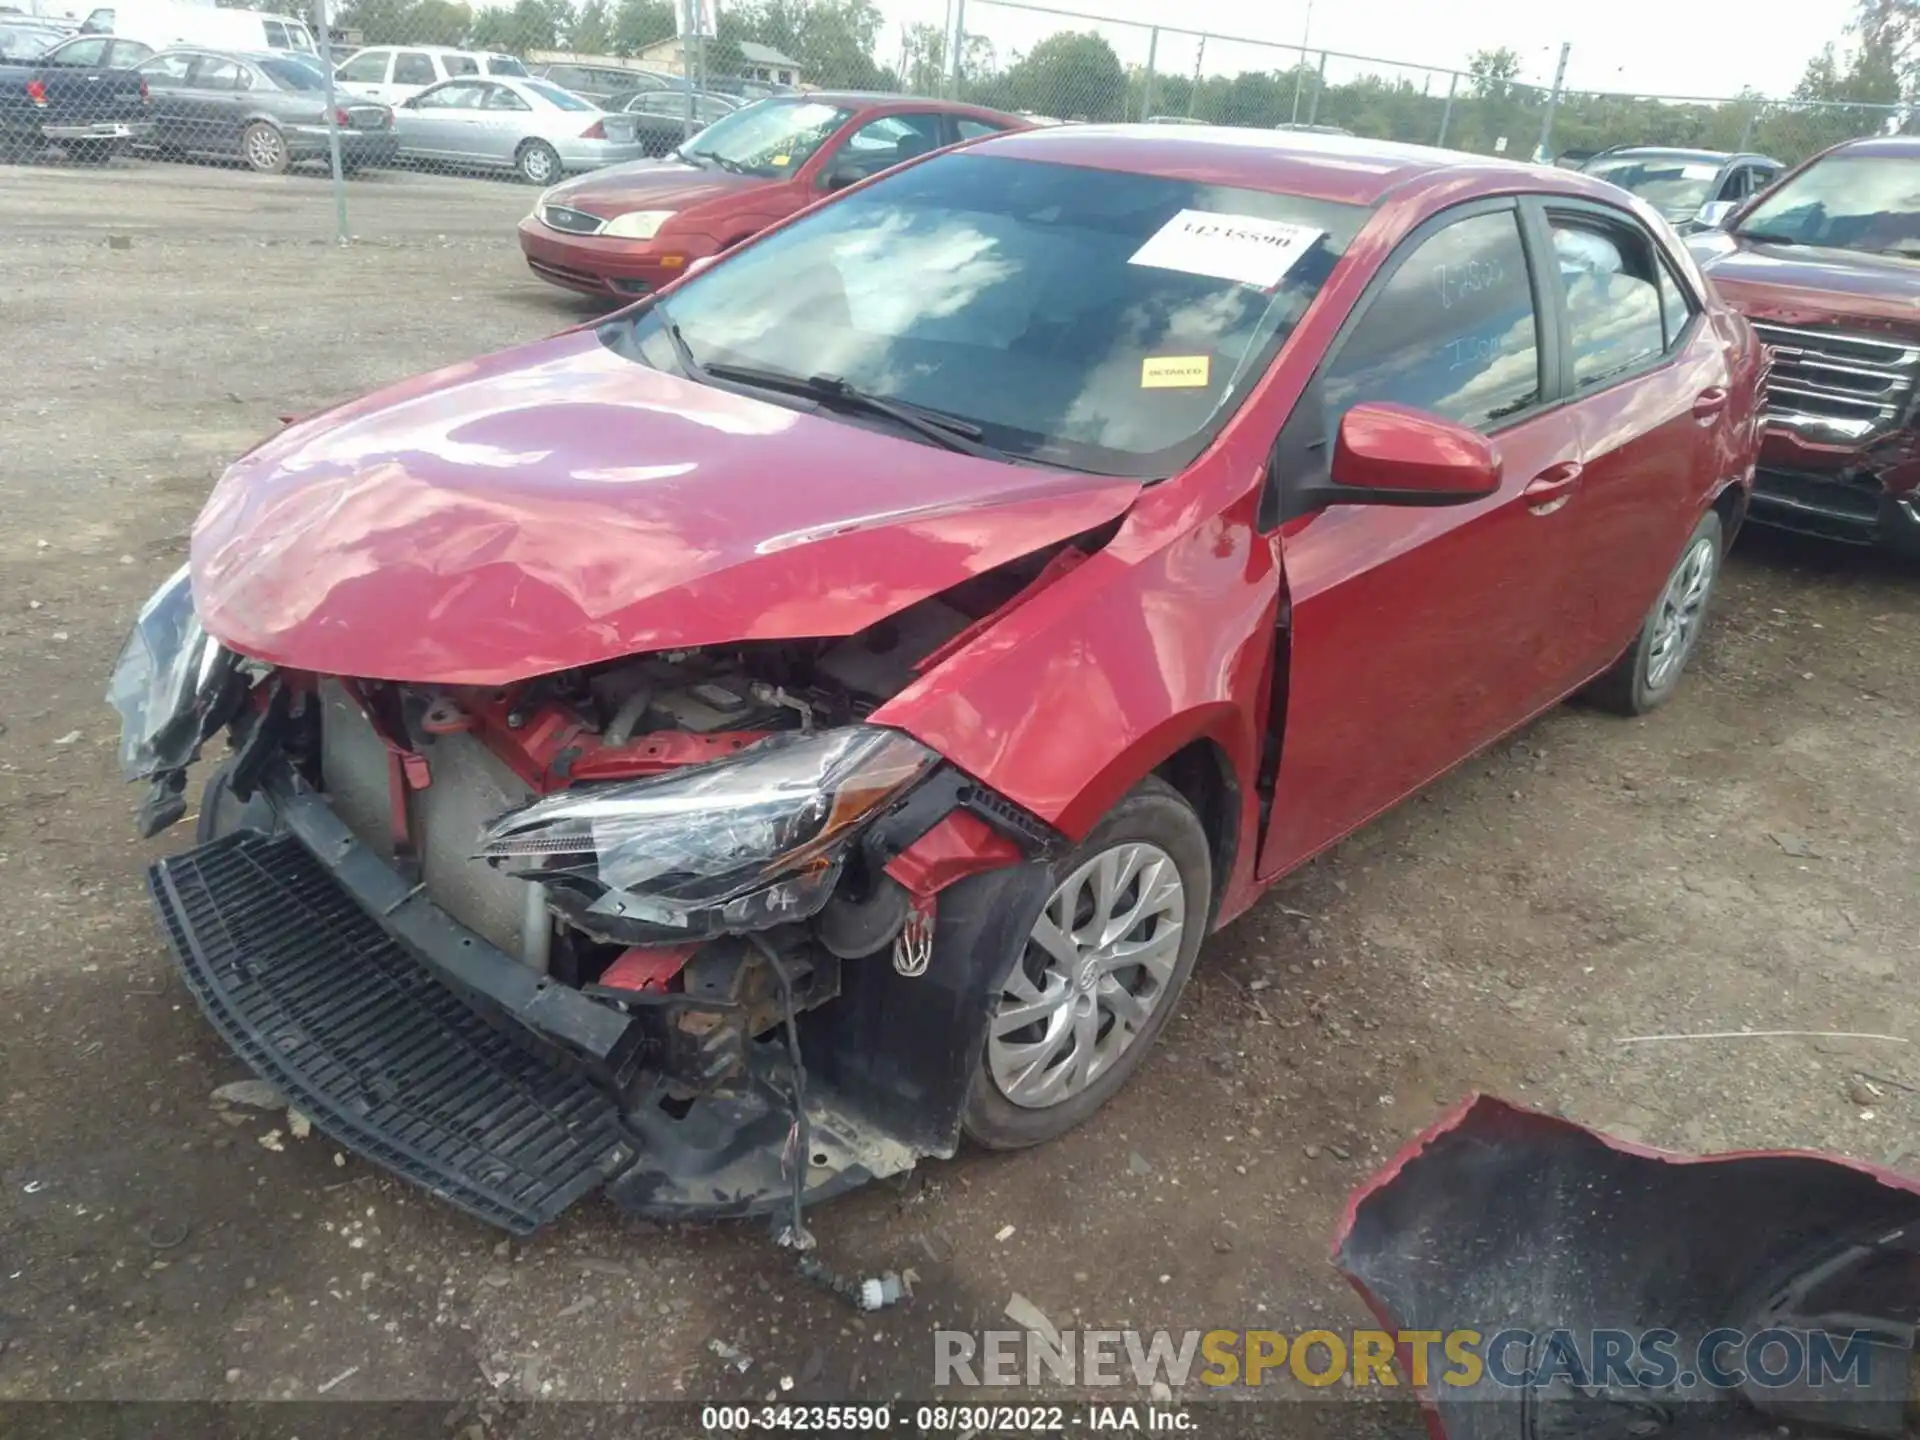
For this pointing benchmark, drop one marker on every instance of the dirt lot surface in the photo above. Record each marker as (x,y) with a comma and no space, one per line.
(1745,859)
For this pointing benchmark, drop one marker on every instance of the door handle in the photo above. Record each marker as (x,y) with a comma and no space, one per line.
(1552,487)
(1709,402)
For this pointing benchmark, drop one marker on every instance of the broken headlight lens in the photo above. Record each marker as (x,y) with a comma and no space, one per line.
(165,684)
(740,844)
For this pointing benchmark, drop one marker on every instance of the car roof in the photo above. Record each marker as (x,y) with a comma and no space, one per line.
(438,49)
(862,99)
(1291,162)
(1906,145)
(1676,152)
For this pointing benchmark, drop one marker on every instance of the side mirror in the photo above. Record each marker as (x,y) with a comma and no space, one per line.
(1715,213)
(412,102)
(840,177)
(1396,455)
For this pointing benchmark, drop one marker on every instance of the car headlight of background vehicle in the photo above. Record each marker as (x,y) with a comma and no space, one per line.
(167,683)
(637,224)
(754,840)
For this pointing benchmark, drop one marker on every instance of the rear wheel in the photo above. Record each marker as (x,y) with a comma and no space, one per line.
(265,149)
(538,163)
(1099,975)
(1646,676)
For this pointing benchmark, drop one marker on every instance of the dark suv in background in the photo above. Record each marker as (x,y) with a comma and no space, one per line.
(1826,264)
(1692,189)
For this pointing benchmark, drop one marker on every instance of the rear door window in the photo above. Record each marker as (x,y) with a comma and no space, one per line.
(167,72)
(1452,331)
(460,65)
(499,97)
(87,54)
(1609,277)
(411,67)
(214,72)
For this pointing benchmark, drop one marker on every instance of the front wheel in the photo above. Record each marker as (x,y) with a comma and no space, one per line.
(1099,975)
(538,163)
(265,149)
(1646,676)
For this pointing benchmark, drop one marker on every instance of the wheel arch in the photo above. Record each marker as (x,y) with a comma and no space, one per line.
(1203,774)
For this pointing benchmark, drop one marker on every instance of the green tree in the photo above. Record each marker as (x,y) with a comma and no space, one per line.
(640,23)
(592,29)
(529,25)
(1494,72)
(1072,75)
(403,22)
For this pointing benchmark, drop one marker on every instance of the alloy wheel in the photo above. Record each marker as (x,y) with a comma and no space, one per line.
(1682,608)
(1097,964)
(537,165)
(265,148)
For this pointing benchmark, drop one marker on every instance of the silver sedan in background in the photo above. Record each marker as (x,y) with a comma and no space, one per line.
(530,126)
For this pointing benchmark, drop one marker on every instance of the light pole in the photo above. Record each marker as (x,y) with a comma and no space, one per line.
(1300,65)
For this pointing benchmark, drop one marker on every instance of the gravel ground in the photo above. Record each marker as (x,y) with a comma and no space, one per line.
(1743,859)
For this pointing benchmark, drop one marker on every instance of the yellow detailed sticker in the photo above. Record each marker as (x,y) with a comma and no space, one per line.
(780,159)
(1174,372)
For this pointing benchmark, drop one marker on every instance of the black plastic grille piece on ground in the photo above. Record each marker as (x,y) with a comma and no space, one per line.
(321,1001)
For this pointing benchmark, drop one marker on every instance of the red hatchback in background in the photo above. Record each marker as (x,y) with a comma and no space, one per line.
(631,229)
(818,713)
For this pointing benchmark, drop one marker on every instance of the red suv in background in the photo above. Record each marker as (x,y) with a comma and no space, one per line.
(902,642)
(630,229)
(1826,264)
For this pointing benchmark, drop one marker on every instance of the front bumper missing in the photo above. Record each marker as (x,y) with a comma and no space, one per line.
(418,1045)
(1850,509)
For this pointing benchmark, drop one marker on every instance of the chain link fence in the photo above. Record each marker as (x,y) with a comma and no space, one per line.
(373,93)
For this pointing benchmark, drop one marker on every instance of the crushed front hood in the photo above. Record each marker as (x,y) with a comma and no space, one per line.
(1810,285)
(557,505)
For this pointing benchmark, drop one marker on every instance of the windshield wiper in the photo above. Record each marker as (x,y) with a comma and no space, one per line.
(682,351)
(947,431)
(1766,237)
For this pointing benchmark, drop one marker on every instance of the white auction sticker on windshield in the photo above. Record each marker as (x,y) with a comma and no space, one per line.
(1699,172)
(1246,248)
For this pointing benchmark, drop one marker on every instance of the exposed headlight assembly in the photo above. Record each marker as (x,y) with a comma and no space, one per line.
(169,685)
(740,844)
(637,224)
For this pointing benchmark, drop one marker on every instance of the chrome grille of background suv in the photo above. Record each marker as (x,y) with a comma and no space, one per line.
(1837,386)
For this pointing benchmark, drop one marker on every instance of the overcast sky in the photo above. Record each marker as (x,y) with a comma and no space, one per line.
(1673,47)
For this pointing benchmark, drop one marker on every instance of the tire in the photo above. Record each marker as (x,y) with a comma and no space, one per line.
(1032,1083)
(264,148)
(538,163)
(1646,676)
(90,152)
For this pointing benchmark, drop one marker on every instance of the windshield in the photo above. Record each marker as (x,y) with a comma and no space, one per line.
(565,99)
(1088,319)
(294,75)
(1852,202)
(772,138)
(1673,184)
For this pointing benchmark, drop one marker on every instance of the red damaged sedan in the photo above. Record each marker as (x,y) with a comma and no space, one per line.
(629,229)
(731,752)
